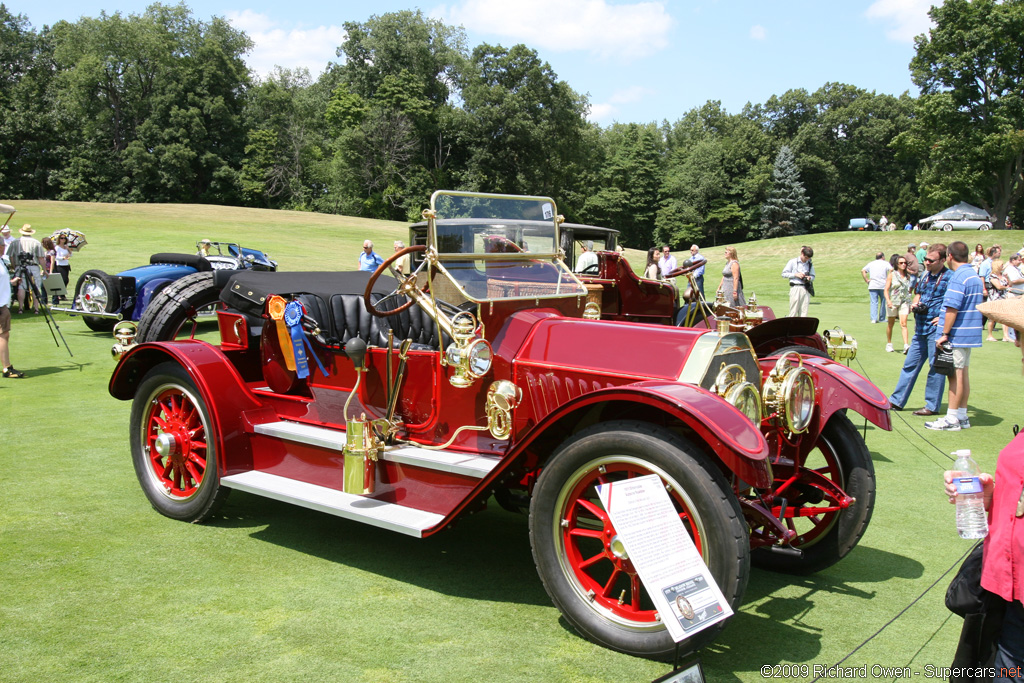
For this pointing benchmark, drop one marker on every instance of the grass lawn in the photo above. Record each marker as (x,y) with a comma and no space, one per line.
(97,586)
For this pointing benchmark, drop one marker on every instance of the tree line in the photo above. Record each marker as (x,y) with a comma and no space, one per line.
(160,107)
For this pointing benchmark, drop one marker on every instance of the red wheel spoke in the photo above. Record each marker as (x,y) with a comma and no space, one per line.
(579,532)
(593,509)
(609,586)
(634,587)
(593,560)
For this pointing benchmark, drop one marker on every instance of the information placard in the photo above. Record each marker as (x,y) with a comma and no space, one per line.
(679,583)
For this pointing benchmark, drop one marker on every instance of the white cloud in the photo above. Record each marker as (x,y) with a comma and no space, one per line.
(625,31)
(906,18)
(757,32)
(294,47)
(604,112)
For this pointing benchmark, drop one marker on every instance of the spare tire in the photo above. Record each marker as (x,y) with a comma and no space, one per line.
(98,292)
(177,304)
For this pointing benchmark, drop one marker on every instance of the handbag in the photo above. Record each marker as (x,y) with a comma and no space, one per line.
(943,363)
(965,594)
(810,287)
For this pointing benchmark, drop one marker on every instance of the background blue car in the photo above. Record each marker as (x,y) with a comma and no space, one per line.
(102,299)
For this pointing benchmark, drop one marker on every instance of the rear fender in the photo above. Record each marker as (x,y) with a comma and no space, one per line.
(725,433)
(222,388)
(146,294)
(837,387)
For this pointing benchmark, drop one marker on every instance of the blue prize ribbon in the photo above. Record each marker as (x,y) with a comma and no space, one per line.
(293,321)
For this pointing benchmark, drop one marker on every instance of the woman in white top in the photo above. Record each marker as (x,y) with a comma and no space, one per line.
(652,272)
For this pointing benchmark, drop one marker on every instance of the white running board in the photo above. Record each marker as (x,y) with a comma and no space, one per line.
(404,520)
(465,464)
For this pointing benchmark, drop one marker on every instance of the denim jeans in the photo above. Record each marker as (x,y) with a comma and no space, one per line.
(877,305)
(921,351)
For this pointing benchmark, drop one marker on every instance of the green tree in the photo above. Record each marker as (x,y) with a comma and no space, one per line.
(625,192)
(523,128)
(27,139)
(969,122)
(786,211)
(150,106)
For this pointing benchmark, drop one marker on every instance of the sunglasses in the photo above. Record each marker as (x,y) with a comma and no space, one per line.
(930,260)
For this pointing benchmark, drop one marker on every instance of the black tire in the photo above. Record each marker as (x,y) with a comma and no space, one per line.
(621,448)
(851,468)
(182,480)
(103,296)
(175,305)
(805,350)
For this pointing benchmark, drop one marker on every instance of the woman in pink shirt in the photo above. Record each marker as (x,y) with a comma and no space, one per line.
(1002,571)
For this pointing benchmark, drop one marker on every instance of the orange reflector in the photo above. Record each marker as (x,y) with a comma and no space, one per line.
(285,340)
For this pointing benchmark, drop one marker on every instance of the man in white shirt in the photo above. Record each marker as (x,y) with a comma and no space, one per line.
(800,273)
(587,259)
(875,274)
(1014,275)
(668,261)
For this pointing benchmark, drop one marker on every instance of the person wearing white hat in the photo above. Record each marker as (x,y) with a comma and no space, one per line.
(8,237)
(26,244)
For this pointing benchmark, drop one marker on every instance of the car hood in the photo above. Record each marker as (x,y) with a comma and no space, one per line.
(144,274)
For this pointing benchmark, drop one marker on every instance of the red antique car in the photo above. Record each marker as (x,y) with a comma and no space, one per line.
(406,403)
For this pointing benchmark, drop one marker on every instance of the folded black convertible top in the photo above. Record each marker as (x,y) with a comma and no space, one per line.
(247,291)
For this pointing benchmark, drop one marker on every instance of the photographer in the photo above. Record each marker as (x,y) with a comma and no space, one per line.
(800,273)
(927,308)
(5,322)
(27,255)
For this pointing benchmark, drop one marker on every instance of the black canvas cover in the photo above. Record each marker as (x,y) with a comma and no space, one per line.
(248,291)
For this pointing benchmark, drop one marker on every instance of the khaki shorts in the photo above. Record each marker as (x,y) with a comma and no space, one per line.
(5,319)
(896,311)
(961,357)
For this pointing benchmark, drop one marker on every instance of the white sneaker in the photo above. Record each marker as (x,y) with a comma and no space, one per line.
(888,347)
(965,424)
(943,425)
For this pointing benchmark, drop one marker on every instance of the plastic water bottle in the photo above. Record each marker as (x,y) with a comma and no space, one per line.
(971,521)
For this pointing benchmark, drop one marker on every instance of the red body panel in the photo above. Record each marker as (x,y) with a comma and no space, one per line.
(626,296)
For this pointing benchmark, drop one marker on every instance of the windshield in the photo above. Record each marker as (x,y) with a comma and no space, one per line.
(500,247)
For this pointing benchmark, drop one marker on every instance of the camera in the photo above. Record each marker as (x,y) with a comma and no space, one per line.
(920,308)
(25,259)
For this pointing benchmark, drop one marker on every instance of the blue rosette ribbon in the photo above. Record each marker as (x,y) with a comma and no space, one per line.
(293,321)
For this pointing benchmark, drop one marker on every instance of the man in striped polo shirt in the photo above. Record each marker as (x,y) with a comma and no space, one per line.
(961,327)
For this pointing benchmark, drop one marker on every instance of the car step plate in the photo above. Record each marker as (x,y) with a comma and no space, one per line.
(465,464)
(358,508)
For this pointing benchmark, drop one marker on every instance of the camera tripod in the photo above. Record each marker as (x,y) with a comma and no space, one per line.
(23,271)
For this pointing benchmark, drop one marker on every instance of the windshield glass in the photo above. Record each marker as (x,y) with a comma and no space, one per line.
(500,247)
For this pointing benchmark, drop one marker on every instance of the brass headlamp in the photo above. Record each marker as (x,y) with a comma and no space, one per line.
(469,355)
(732,385)
(789,393)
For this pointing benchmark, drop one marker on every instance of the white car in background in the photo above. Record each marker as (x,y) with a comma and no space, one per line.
(964,223)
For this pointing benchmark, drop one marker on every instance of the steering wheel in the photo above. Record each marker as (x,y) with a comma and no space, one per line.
(592,269)
(405,283)
(685,269)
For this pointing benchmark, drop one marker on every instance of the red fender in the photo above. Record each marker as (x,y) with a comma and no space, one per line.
(734,439)
(213,375)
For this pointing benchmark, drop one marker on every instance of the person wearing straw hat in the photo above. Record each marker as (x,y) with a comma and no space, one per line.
(1003,559)
(26,244)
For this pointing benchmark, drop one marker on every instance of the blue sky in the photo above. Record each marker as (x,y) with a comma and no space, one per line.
(637,61)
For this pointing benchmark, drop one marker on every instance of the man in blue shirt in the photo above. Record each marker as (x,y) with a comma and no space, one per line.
(698,275)
(369,260)
(931,293)
(961,327)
